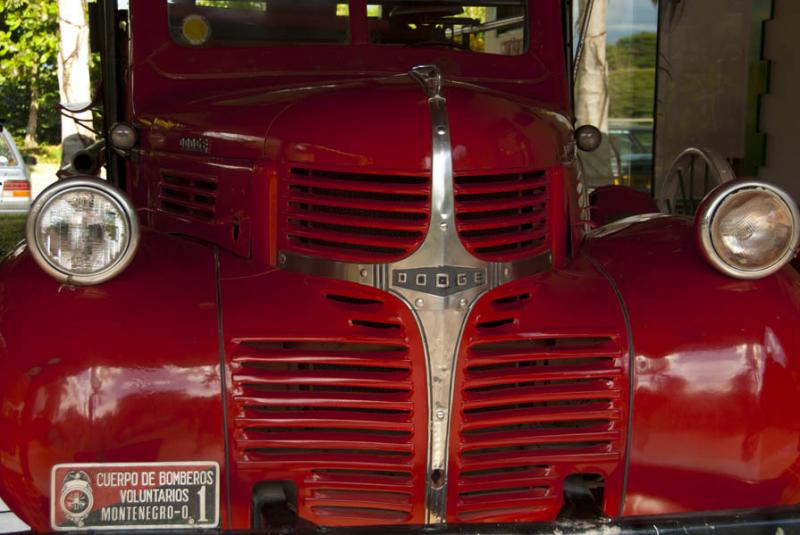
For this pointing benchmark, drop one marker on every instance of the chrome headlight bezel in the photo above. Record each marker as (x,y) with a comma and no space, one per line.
(97,186)
(706,218)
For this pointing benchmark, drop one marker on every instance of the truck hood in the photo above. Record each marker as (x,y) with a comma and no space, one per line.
(380,123)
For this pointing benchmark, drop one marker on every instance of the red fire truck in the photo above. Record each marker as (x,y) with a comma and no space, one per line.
(341,277)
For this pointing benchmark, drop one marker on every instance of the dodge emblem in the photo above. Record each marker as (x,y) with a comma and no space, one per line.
(441,281)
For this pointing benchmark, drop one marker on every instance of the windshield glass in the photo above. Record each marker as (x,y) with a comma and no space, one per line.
(6,154)
(257,22)
(487,26)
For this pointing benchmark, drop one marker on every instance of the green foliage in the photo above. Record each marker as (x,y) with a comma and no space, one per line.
(28,61)
(637,51)
(12,231)
(252,5)
(632,93)
(15,101)
(44,154)
(632,75)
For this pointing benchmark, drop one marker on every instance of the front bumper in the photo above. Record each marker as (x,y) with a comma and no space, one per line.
(777,521)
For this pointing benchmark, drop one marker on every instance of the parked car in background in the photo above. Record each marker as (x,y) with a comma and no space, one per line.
(632,154)
(15,180)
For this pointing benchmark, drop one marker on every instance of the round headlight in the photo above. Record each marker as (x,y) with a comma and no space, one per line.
(123,136)
(748,229)
(82,231)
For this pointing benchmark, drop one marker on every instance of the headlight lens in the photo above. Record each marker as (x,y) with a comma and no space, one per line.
(82,231)
(749,230)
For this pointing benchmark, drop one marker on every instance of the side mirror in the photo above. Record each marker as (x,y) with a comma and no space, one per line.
(588,138)
(30,160)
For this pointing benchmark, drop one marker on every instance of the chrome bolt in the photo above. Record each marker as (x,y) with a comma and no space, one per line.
(440,414)
(419,303)
(441,130)
(507,272)
(462,303)
(282,259)
(443,226)
(364,273)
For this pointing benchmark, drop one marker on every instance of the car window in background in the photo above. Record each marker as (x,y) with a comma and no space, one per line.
(7,158)
(618,90)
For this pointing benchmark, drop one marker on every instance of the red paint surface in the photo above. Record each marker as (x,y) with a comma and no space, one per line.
(716,367)
(612,203)
(123,372)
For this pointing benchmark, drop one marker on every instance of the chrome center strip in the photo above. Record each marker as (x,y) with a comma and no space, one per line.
(439,282)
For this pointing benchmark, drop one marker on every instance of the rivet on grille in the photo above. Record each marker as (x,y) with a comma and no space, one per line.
(364,273)
(462,303)
(419,303)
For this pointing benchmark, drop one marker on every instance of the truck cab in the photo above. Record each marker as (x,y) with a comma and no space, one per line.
(344,273)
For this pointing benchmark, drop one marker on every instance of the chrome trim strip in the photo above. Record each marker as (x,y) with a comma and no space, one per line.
(441,317)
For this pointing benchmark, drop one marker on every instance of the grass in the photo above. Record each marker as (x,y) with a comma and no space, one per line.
(12,230)
(44,153)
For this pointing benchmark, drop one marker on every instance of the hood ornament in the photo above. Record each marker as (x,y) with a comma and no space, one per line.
(431,79)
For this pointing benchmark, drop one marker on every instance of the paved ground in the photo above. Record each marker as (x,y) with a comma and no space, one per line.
(42,176)
(8,522)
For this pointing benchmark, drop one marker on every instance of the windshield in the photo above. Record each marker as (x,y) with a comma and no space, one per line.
(488,26)
(6,154)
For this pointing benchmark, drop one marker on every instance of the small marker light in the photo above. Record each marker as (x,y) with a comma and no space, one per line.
(588,138)
(123,136)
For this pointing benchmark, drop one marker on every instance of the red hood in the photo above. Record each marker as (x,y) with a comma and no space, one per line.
(380,124)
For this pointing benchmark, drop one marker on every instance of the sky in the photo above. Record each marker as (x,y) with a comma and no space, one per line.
(630,16)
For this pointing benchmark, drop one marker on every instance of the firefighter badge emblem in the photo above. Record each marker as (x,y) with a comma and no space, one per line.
(76,498)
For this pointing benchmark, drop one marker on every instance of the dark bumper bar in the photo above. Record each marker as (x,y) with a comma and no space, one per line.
(781,521)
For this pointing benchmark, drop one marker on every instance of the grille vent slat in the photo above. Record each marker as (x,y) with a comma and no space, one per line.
(189,197)
(356,217)
(503,217)
(532,408)
(338,412)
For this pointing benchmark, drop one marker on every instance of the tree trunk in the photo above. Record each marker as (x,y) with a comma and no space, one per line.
(73,73)
(33,114)
(591,92)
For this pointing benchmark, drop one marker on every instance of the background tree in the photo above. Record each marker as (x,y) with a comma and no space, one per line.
(632,75)
(73,65)
(28,72)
